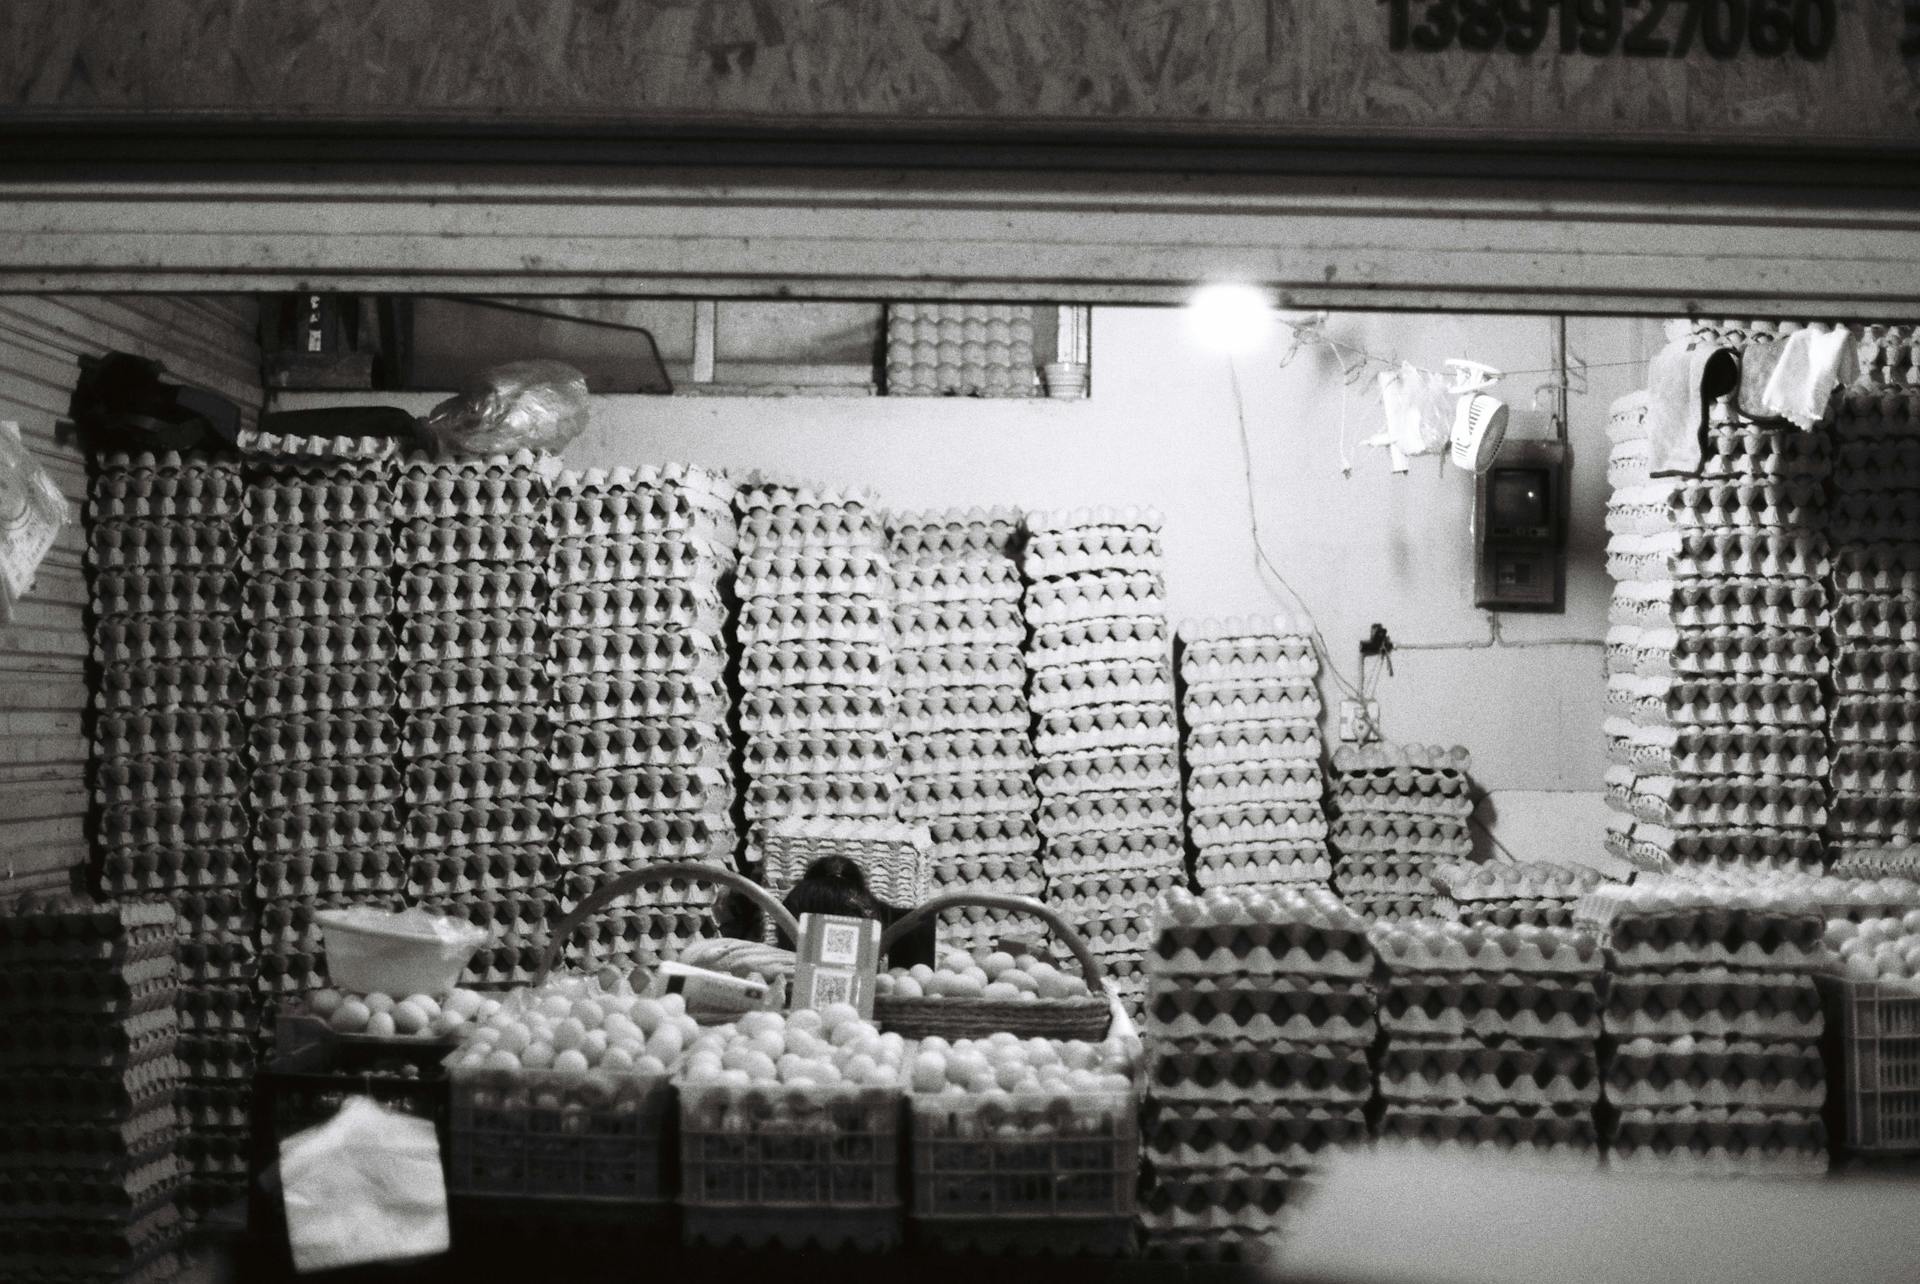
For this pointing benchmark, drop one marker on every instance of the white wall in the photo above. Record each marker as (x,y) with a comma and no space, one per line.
(1160,429)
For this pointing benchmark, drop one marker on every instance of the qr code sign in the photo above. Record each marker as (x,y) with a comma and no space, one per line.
(840,945)
(831,987)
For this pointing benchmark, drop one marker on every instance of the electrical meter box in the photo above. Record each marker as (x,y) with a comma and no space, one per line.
(1520,529)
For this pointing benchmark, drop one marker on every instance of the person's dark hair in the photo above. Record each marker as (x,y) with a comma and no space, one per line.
(834,885)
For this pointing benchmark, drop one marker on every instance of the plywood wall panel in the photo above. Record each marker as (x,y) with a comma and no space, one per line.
(43,649)
(1265,66)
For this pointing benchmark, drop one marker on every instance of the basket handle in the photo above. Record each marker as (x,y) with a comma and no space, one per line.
(628,883)
(1090,967)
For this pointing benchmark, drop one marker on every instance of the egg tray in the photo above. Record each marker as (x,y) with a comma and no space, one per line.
(668,716)
(1716,1004)
(215,1011)
(704,488)
(1260,865)
(1728,815)
(152,778)
(449,640)
(72,929)
(1876,567)
(1876,721)
(1431,847)
(130,990)
(303,646)
(59,1042)
(345,689)
(194,494)
(1383,878)
(684,562)
(39,1253)
(473,592)
(1800,562)
(1564,1075)
(973,806)
(1867,625)
(955,766)
(1062,528)
(131,872)
(480,874)
(920,665)
(108,1147)
(1220,1136)
(1011,875)
(216,958)
(1775,1076)
(1210,1070)
(453,825)
(1295,782)
(1059,679)
(323,737)
(1095,600)
(175,824)
(1358,788)
(225,1106)
(592,609)
(1285,1010)
(467,683)
(954,530)
(1640,935)
(621,791)
(78,1093)
(146,641)
(152,546)
(1258,952)
(1497,1128)
(163,686)
(295,554)
(1728,653)
(956,579)
(816,710)
(1694,754)
(1490,1008)
(1718,1141)
(832,664)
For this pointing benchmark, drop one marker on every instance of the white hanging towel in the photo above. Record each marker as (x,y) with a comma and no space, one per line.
(1418,411)
(1812,364)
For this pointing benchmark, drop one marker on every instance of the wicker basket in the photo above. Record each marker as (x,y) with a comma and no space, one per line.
(665,872)
(953,1018)
(893,858)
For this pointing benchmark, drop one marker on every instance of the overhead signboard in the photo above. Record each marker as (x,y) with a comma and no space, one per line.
(1781,73)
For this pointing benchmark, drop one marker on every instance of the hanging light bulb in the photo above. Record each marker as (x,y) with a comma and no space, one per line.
(1230,317)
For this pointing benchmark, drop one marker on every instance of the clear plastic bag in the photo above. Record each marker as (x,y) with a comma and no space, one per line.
(523,405)
(366,1186)
(32,513)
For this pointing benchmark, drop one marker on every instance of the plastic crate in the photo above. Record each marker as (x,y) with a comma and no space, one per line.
(547,1135)
(1042,1174)
(791,1166)
(1877,1027)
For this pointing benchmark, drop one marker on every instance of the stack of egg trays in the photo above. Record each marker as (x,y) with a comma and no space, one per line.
(1511,893)
(1260,1013)
(1402,810)
(816,672)
(1254,785)
(170,778)
(1712,1058)
(1633,513)
(1490,1035)
(1106,730)
(91,1134)
(641,754)
(963,730)
(471,543)
(1718,665)
(959,349)
(320,690)
(1875,529)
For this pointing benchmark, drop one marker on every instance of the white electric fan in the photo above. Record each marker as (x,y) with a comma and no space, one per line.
(1479,419)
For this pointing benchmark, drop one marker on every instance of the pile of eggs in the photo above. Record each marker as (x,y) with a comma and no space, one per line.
(1879,949)
(997,976)
(826,1048)
(573,1025)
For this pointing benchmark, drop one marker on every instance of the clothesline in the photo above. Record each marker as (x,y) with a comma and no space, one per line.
(1311,333)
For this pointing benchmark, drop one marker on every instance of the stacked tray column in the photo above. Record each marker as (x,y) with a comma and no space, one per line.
(641,751)
(1402,811)
(1254,785)
(1106,736)
(965,735)
(1712,1061)
(90,1123)
(1259,1017)
(1491,1036)
(169,773)
(1875,528)
(472,543)
(817,706)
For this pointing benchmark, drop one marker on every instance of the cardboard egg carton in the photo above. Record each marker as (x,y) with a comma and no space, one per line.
(1864,768)
(1714,1003)
(865,570)
(973,626)
(1464,881)
(1114,640)
(173,823)
(975,796)
(151,639)
(1878,671)
(1095,594)
(272,647)
(694,484)
(701,790)
(627,607)
(278,740)
(1291,1010)
(597,840)
(1889,721)
(1151,718)
(1258,823)
(1290,781)
(315,826)
(836,796)
(1499,1128)
(1718,502)
(289,448)
(463,778)
(974,576)
(198,492)
(951,532)
(146,778)
(790,529)
(473,592)
(1718,1140)
(466,683)
(1435,947)
(1056,706)
(165,544)
(1060,526)
(299,500)
(1490,1007)
(134,871)
(135,591)
(1264,931)
(1796,754)
(1546,1075)
(642,938)
(841,664)
(957,760)
(361,688)
(1748,452)
(102,1146)
(503,541)
(678,895)
(1706,559)
(1082,814)
(1662,923)
(168,684)
(620,517)
(1880,818)
(660,714)
(826,753)
(690,563)
(1132,895)
(1063,558)
(1261,864)
(294,552)
(1248,639)
(1394,762)
(1870,463)
(1731,1073)
(1070,778)
(1862,621)
(339,595)
(1015,839)
(1362,834)
(1877,567)
(1020,875)
(1727,652)
(1199,1138)
(848,624)
(344,871)
(218,958)
(448,826)
(1745,601)
(1309,1073)
(1661,849)
(204,1010)
(481,873)
(1383,876)
(815,710)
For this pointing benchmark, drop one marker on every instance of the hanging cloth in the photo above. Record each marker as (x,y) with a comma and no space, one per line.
(1680,384)
(1812,364)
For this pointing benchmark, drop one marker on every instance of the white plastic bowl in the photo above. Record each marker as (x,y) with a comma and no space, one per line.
(410,952)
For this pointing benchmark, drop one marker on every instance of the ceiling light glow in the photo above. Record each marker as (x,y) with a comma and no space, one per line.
(1229,317)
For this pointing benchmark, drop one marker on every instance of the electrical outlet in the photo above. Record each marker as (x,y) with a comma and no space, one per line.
(1358,721)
